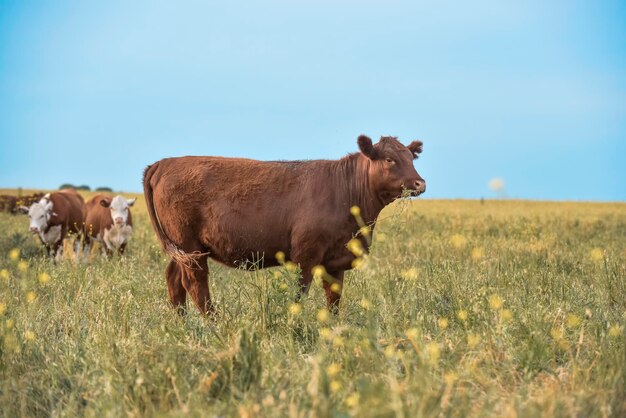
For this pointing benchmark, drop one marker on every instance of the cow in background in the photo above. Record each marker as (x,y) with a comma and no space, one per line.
(108,221)
(54,217)
(10,203)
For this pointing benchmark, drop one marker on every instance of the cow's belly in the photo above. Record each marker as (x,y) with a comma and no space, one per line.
(250,249)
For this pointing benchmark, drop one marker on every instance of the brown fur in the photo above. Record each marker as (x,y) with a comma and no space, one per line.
(67,211)
(236,210)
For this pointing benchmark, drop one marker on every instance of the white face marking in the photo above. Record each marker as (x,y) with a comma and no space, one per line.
(119,209)
(39,214)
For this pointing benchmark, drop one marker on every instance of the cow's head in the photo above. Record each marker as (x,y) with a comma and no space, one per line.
(391,172)
(39,214)
(119,207)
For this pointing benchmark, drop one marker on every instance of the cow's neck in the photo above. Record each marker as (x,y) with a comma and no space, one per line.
(360,190)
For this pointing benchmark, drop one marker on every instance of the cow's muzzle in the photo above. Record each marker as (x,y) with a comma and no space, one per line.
(34,230)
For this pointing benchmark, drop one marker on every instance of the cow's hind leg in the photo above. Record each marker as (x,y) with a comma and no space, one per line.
(178,294)
(196,282)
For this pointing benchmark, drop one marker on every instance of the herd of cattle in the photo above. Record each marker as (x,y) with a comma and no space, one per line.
(234,210)
(57,215)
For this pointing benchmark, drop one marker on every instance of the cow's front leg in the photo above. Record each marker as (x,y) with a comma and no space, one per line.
(333,286)
(57,251)
(121,250)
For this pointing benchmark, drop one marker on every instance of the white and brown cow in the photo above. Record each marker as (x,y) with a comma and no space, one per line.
(108,221)
(54,217)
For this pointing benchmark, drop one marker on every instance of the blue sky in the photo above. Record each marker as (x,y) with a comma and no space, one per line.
(533,92)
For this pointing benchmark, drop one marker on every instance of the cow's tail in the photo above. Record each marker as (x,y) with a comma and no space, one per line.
(178,255)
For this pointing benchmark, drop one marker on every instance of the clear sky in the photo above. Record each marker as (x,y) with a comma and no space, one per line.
(533,92)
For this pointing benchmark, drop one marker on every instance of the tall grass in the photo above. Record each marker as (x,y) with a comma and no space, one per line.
(462,309)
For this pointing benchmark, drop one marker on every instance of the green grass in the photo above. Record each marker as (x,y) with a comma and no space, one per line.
(100,339)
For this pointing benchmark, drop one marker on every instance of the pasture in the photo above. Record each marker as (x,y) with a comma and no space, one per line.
(463,308)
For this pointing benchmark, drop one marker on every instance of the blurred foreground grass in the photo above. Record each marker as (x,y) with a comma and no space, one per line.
(463,309)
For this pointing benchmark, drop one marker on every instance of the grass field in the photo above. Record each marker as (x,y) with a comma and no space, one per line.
(501,308)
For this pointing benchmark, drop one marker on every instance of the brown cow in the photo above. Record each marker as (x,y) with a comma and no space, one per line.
(233,210)
(8,203)
(53,217)
(109,221)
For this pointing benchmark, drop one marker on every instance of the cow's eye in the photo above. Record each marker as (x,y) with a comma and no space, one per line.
(389,160)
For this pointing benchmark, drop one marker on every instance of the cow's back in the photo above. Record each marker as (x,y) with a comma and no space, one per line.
(68,206)
(243,207)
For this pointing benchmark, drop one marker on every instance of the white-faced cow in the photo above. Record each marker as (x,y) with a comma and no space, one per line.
(54,217)
(108,221)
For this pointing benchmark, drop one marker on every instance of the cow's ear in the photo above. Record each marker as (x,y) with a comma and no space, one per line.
(366,147)
(131,201)
(22,209)
(416,148)
(106,202)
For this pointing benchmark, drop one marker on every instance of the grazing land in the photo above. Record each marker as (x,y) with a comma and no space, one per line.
(463,308)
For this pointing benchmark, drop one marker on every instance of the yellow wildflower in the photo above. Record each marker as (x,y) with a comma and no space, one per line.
(338,341)
(462,315)
(322,315)
(353,400)
(318,271)
(295,309)
(381,237)
(458,241)
(355,211)
(280,257)
(597,254)
(29,336)
(326,333)
(410,274)
(365,304)
(478,253)
(44,278)
(365,231)
(572,321)
(22,265)
(507,315)
(334,386)
(615,331)
(14,254)
(495,302)
(358,262)
(442,323)
(355,247)
(30,296)
(390,351)
(9,323)
(291,266)
(556,333)
(333,369)
(335,287)
(4,274)
(412,333)
(473,340)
